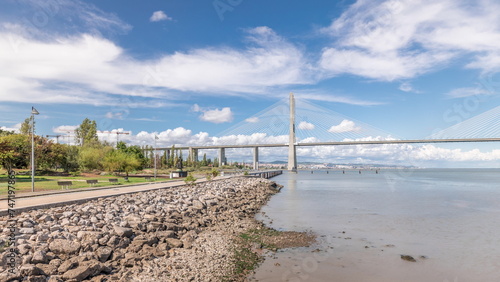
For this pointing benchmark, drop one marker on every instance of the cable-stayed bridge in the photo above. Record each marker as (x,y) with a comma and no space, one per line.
(299,123)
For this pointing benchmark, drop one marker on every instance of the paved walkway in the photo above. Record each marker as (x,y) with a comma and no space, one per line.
(30,201)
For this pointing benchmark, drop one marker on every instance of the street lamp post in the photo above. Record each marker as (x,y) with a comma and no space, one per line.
(33,113)
(156,137)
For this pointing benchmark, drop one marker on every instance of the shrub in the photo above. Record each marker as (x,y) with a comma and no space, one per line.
(190,179)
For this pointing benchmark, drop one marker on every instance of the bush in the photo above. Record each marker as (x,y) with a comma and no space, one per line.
(190,179)
(209,176)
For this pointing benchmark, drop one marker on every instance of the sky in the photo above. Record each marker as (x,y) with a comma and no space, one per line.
(202,72)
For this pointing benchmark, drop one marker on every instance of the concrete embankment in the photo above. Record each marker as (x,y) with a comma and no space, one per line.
(178,234)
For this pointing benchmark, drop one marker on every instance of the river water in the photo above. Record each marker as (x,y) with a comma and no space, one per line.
(448,220)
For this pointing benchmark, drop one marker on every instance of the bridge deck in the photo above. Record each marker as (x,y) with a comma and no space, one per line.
(344,143)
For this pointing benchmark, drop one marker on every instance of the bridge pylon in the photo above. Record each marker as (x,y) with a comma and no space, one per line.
(292,151)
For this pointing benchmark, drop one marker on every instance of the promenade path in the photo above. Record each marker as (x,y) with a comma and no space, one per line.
(38,200)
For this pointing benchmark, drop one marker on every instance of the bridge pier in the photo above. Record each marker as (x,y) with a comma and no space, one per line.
(292,151)
(193,154)
(256,158)
(222,156)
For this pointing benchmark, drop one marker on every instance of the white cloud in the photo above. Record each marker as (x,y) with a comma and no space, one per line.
(407,87)
(213,115)
(328,97)
(196,108)
(304,125)
(159,16)
(391,39)
(386,66)
(344,126)
(117,115)
(467,91)
(217,116)
(252,120)
(64,128)
(89,69)
(14,129)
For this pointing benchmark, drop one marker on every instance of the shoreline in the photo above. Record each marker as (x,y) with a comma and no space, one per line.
(183,233)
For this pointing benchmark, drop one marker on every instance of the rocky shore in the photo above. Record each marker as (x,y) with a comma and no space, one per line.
(184,233)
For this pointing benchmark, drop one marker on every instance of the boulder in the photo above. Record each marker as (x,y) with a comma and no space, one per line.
(174,243)
(29,270)
(84,270)
(103,253)
(47,268)
(63,246)
(67,265)
(39,257)
(123,231)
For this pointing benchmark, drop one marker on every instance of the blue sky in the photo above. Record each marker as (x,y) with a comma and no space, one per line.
(189,70)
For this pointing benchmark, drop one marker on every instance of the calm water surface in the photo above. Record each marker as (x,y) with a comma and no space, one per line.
(448,220)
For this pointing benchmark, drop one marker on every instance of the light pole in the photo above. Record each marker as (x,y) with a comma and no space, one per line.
(33,113)
(156,137)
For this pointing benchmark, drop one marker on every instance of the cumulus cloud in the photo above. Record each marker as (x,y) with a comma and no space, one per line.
(467,91)
(64,128)
(89,69)
(392,40)
(214,115)
(13,129)
(159,16)
(217,116)
(344,126)
(252,120)
(304,125)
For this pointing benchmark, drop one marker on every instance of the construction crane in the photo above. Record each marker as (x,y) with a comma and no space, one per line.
(115,132)
(56,136)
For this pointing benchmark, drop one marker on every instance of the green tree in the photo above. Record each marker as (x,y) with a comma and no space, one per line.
(118,160)
(135,151)
(164,161)
(86,133)
(70,162)
(15,151)
(5,132)
(91,157)
(26,126)
(204,161)
(171,160)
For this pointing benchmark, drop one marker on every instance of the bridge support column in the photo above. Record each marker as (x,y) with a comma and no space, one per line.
(167,153)
(292,152)
(193,154)
(256,158)
(222,156)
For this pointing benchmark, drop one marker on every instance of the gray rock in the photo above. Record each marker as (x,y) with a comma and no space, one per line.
(65,222)
(123,231)
(42,237)
(27,230)
(103,253)
(29,270)
(28,223)
(47,268)
(67,265)
(174,243)
(64,246)
(24,248)
(39,257)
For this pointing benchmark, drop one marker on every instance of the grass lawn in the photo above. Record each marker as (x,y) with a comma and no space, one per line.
(49,182)
(46,183)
